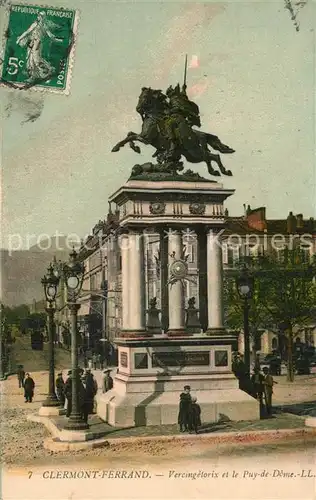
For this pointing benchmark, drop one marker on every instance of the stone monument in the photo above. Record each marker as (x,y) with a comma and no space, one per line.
(155,365)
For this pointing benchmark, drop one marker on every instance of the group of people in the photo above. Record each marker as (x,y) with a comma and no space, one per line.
(189,418)
(263,387)
(27,383)
(87,388)
(95,362)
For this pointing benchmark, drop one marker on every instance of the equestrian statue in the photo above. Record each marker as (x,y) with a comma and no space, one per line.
(168,121)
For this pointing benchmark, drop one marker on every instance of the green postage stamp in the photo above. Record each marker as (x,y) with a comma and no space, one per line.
(39,47)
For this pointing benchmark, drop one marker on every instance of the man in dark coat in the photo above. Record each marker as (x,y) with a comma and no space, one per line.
(83,399)
(29,386)
(68,393)
(185,409)
(107,381)
(60,388)
(91,390)
(21,375)
(257,381)
(195,416)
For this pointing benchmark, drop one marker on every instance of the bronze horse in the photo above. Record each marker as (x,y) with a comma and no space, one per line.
(154,110)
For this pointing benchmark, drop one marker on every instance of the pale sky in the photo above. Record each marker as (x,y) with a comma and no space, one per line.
(255,86)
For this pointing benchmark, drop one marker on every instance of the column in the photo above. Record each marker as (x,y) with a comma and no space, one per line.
(202,266)
(136,266)
(215,282)
(164,281)
(124,246)
(176,292)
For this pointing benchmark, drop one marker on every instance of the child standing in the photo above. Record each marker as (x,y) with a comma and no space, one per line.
(268,389)
(195,416)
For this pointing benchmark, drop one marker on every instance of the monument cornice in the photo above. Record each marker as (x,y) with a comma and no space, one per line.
(206,191)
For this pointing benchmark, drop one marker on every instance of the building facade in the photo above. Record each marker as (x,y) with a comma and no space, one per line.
(100,314)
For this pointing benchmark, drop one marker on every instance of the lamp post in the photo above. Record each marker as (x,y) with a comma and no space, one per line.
(50,284)
(73,274)
(244,285)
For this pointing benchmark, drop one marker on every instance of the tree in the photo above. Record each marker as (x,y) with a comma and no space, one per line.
(6,340)
(290,294)
(234,307)
(14,315)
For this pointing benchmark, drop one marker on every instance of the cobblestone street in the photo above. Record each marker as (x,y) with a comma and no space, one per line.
(22,441)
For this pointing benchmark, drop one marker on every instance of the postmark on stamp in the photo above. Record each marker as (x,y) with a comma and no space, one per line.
(39,48)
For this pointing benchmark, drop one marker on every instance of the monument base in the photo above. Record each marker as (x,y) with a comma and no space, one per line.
(153,372)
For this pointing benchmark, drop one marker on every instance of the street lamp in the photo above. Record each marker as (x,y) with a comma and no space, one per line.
(73,273)
(245,285)
(50,284)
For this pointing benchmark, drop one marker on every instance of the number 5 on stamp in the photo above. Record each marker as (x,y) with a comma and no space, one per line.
(39,48)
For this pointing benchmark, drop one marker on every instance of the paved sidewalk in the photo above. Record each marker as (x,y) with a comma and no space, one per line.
(276,422)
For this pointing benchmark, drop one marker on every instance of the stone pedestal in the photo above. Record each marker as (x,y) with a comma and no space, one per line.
(192,322)
(152,374)
(153,368)
(51,411)
(153,321)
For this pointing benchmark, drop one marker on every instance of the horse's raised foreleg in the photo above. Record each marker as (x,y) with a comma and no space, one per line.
(210,169)
(135,148)
(131,136)
(217,159)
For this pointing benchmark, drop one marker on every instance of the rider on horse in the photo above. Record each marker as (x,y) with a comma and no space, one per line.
(182,114)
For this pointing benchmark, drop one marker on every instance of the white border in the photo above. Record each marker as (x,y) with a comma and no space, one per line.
(71,55)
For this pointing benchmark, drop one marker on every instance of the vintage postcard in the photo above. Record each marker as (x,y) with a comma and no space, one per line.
(158,250)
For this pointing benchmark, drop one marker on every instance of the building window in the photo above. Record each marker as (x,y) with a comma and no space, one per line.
(274,343)
(236,253)
(93,284)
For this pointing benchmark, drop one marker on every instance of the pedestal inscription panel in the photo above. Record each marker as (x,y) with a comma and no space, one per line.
(123,359)
(221,358)
(140,360)
(180,358)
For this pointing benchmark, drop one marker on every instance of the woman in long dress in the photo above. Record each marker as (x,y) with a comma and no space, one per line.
(37,67)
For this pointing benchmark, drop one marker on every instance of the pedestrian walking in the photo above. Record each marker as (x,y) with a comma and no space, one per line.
(85,361)
(185,409)
(268,383)
(195,421)
(107,381)
(100,361)
(21,376)
(90,364)
(94,361)
(29,386)
(60,389)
